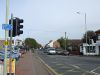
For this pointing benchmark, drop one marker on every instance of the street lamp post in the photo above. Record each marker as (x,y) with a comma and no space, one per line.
(65,40)
(86,28)
(85,24)
(85,16)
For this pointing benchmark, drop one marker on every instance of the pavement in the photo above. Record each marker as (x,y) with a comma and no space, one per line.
(30,65)
(72,65)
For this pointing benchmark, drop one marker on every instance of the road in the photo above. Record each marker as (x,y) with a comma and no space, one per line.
(72,65)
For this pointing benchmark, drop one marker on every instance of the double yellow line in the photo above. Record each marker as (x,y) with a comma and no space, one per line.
(48,68)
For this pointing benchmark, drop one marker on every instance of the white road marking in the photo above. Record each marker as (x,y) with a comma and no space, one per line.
(87,71)
(54,62)
(95,69)
(92,71)
(60,64)
(76,66)
(95,73)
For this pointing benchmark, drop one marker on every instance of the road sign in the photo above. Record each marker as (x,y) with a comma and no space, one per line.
(7,26)
(6,43)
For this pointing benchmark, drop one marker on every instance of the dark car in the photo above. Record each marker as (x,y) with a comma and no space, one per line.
(45,50)
(59,51)
(65,52)
(22,51)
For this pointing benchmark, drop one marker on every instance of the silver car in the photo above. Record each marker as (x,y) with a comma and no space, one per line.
(51,51)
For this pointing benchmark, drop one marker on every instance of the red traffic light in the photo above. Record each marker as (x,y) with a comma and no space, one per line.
(20,20)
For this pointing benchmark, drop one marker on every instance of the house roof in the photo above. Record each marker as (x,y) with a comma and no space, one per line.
(97,32)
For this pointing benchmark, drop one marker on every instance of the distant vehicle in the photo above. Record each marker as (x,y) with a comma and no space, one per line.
(1,57)
(45,50)
(2,53)
(22,51)
(65,52)
(59,51)
(15,55)
(17,50)
(51,51)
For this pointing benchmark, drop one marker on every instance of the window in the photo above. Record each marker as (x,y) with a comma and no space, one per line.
(90,49)
(98,36)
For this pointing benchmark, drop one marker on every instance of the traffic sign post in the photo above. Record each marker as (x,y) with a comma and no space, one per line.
(11,63)
(6,36)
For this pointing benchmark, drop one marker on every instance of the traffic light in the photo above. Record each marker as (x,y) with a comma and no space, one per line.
(19,26)
(14,28)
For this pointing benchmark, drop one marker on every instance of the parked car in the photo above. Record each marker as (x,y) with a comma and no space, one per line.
(18,52)
(51,51)
(65,52)
(2,54)
(45,51)
(22,51)
(15,55)
(59,51)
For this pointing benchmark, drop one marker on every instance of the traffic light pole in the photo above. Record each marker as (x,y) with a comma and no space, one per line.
(6,36)
(10,69)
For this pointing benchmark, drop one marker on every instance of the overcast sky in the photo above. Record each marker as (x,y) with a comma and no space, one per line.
(47,20)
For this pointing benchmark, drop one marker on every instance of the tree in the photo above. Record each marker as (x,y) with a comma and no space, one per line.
(31,43)
(90,35)
(62,42)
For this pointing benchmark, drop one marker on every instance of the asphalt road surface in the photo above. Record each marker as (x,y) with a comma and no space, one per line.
(72,65)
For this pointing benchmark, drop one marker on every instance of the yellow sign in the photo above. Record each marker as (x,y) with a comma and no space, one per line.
(12,66)
(6,43)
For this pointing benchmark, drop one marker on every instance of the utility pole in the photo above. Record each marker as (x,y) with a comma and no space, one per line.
(65,40)
(6,36)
